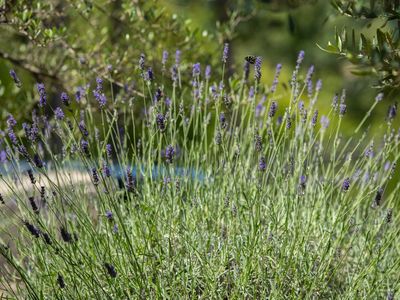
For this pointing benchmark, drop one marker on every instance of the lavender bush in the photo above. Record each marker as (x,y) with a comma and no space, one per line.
(216,190)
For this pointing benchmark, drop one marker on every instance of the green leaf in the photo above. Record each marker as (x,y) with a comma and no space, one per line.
(329,48)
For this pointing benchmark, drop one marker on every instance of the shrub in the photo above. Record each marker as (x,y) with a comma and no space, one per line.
(215,190)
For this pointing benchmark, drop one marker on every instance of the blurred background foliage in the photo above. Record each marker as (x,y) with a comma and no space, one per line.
(353,44)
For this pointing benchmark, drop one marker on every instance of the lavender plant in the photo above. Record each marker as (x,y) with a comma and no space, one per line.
(218,189)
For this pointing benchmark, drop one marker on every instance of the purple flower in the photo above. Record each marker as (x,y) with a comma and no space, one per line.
(158,95)
(272,109)
(288,120)
(207,72)
(115,228)
(221,86)
(300,57)
(42,94)
(392,112)
(369,152)
(174,73)
(379,97)
(130,181)
(109,215)
(3,156)
(160,120)
(169,154)
(95,176)
(22,150)
(15,78)
(251,92)
(33,204)
(309,83)
(80,93)
(33,132)
(149,75)
(178,57)
(85,147)
(100,97)
(258,142)
(324,122)
(218,138)
(318,86)
(314,118)
(257,69)
(222,120)
(32,229)
(260,107)
(38,162)
(301,105)
(99,84)
(108,150)
(346,184)
(297,68)
(225,53)
(276,78)
(335,100)
(27,129)
(142,61)
(82,128)
(31,177)
(164,58)
(64,99)
(303,181)
(59,113)
(262,164)
(106,170)
(196,70)
(168,101)
(213,91)
(11,122)
(342,109)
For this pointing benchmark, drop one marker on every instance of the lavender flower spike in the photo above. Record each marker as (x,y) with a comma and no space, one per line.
(178,57)
(207,72)
(300,59)
(108,150)
(276,78)
(58,112)
(257,69)
(42,94)
(225,53)
(379,97)
(14,76)
(164,58)
(196,70)
(169,154)
(272,109)
(346,184)
(142,61)
(65,99)
(262,164)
